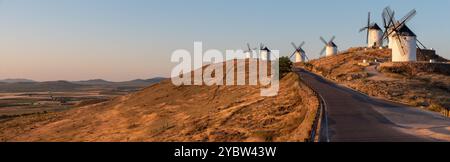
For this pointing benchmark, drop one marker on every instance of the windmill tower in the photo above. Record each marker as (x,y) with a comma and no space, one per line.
(264,52)
(404,45)
(249,52)
(374,34)
(330,47)
(299,53)
(402,40)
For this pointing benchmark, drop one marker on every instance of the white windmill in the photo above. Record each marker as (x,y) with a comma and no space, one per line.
(374,34)
(330,47)
(249,52)
(264,52)
(402,40)
(299,53)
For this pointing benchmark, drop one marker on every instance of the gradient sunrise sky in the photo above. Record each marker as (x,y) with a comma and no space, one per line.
(128,39)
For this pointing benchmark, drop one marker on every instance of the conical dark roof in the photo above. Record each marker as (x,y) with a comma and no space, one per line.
(300,50)
(266,49)
(375,27)
(405,31)
(331,44)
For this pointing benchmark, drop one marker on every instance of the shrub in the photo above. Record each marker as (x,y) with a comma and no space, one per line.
(395,70)
(436,108)
(308,66)
(285,66)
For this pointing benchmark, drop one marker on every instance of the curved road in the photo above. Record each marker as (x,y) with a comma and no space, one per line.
(353,117)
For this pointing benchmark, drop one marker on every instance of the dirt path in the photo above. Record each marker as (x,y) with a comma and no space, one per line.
(374,74)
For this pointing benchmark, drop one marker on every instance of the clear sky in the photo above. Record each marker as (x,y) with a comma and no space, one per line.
(128,39)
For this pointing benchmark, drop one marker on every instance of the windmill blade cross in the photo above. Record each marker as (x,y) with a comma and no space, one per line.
(391,19)
(389,12)
(332,38)
(293,44)
(388,16)
(399,25)
(368,27)
(301,45)
(388,20)
(367,36)
(306,56)
(405,19)
(421,44)
(323,50)
(385,23)
(362,29)
(391,23)
(323,40)
(408,16)
(293,54)
(383,16)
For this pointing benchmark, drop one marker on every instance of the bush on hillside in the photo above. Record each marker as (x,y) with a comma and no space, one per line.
(285,66)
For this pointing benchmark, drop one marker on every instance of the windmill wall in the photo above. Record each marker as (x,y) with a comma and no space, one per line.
(265,55)
(375,38)
(331,51)
(299,57)
(407,53)
(390,40)
(248,54)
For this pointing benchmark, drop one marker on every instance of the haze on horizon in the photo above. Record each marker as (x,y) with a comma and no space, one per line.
(123,40)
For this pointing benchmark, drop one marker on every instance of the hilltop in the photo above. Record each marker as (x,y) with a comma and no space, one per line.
(94,82)
(136,82)
(419,84)
(165,112)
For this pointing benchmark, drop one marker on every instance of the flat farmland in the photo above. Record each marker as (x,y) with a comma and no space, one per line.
(19,104)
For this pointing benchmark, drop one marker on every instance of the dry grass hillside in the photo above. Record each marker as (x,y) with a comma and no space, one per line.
(164,112)
(418,84)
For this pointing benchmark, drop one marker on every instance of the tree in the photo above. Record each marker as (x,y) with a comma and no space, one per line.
(285,66)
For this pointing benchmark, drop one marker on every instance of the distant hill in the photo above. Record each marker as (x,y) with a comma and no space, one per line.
(134,83)
(16,81)
(24,85)
(103,82)
(39,86)
(156,79)
(93,82)
(141,82)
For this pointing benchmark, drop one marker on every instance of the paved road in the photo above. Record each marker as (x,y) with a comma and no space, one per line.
(353,116)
